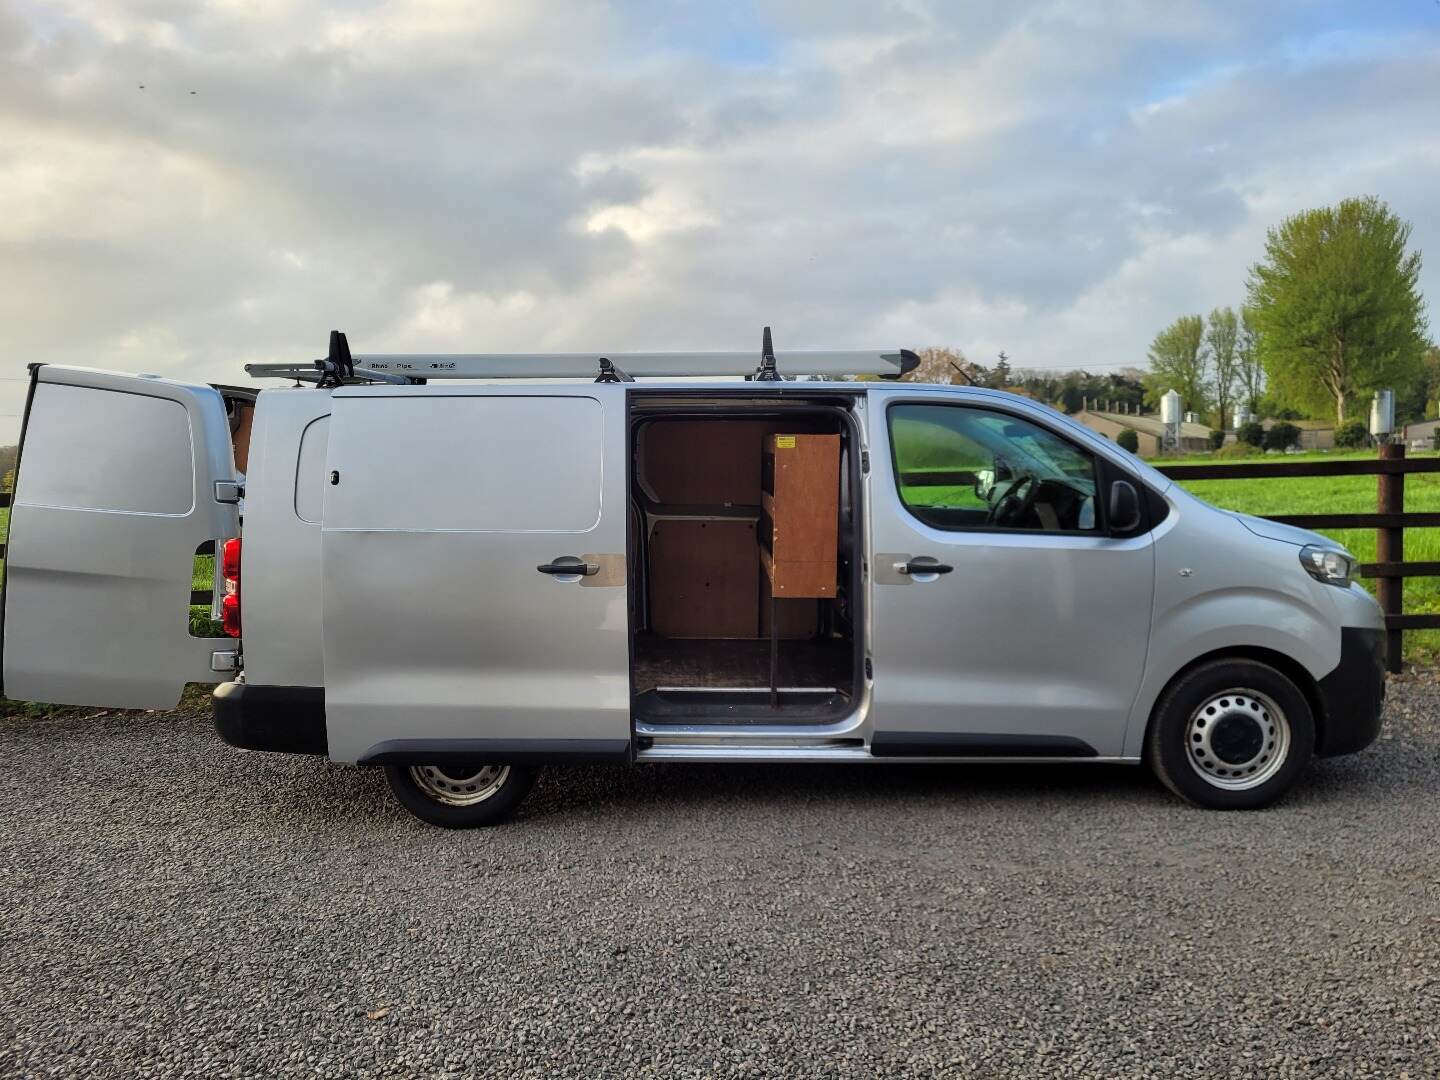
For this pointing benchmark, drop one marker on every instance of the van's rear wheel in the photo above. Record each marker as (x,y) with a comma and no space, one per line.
(460,796)
(1231,735)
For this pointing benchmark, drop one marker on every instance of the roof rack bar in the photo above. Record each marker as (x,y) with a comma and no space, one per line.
(654,365)
(340,367)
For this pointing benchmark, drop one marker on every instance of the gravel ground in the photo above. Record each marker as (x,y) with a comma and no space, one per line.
(173,906)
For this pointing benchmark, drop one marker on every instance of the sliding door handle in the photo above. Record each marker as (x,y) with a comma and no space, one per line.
(922,566)
(569,565)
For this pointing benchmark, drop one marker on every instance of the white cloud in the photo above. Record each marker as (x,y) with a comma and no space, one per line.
(1055,178)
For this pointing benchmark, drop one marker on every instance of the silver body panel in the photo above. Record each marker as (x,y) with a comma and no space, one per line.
(437,624)
(284,504)
(1031,635)
(115,491)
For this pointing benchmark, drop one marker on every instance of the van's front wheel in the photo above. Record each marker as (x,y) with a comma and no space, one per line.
(1231,735)
(462,796)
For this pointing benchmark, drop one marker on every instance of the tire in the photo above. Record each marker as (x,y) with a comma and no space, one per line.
(464,796)
(1231,735)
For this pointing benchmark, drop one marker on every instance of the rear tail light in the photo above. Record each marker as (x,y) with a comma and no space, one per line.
(230,602)
(230,560)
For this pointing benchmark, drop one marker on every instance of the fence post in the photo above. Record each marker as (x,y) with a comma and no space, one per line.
(1390,547)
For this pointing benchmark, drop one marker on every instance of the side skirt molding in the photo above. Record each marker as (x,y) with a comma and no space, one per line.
(891,744)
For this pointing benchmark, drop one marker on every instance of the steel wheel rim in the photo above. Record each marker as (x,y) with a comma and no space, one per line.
(1237,739)
(459,785)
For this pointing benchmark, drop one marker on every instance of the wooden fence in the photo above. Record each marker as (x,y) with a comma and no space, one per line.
(1389,521)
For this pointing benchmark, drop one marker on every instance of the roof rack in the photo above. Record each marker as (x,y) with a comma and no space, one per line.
(340,368)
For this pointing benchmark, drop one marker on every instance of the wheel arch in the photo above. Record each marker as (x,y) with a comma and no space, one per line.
(1288,666)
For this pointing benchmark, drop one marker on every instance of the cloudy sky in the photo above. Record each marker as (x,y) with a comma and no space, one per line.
(1058,179)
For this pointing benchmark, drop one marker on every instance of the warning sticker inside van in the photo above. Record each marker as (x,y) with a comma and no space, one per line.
(784,442)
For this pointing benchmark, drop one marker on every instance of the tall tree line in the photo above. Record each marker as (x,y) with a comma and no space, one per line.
(1333,312)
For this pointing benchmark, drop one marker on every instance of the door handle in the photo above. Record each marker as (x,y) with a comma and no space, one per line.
(582,569)
(917,566)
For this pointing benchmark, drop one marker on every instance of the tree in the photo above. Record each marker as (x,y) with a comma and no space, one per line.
(1352,435)
(1337,305)
(1249,372)
(1000,374)
(1177,361)
(1222,340)
(1217,438)
(1417,398)
(939,365)
(1281,436)
(1128,440)
(1252,433)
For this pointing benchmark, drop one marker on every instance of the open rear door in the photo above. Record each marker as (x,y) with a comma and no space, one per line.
(474,583)
(120,479)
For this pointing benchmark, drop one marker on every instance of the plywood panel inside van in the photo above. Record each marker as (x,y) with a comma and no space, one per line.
(704,579)
(698,586)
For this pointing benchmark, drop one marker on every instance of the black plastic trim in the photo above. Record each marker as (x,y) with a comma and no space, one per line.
(1353,694)
(500,751)
(947,744)
(277,719)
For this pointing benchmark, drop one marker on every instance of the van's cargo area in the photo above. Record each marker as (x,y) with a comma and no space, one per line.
(738,519)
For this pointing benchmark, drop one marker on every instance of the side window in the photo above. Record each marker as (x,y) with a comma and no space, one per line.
(959,467)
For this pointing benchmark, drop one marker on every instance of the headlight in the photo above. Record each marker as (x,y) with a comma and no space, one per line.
(1328,565)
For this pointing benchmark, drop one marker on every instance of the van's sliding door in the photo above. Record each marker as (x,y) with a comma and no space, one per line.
(454,625)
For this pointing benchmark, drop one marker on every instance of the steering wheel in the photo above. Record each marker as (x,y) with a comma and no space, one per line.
(1014,502)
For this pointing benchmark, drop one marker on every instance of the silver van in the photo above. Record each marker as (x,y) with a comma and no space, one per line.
(460,581)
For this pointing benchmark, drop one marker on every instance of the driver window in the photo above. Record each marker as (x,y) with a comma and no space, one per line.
(959,467)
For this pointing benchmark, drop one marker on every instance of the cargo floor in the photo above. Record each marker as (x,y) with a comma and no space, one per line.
(711,664)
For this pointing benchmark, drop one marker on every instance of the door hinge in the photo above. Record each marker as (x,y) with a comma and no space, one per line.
(228,491)
(864,461)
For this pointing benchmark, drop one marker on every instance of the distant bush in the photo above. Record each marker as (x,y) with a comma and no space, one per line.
(1352,435)
(1281,436)
(1217,438)
(1235,450)
(1252,433)
(1128,440)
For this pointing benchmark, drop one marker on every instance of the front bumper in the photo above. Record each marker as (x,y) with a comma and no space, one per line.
(1351,696)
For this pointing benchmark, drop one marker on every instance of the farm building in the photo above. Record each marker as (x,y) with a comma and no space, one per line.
(1314,434)
(1421,434)
(1194,438)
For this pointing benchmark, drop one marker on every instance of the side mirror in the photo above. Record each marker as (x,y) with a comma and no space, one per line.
(1124,507)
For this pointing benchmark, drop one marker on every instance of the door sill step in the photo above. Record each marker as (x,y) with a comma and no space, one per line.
(720,751)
